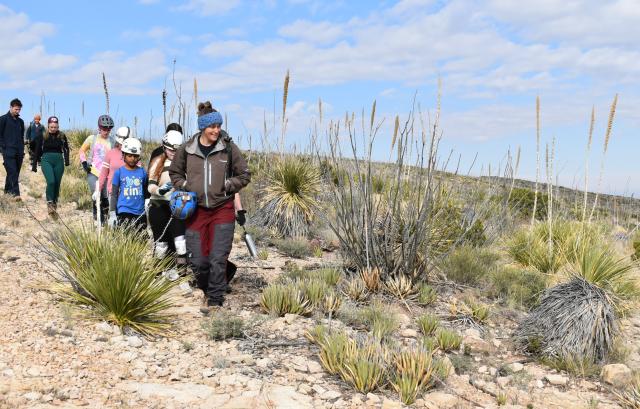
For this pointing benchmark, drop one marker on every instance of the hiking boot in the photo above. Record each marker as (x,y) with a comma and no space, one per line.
(171,275)
(210,305)
(17,199)
(51,210)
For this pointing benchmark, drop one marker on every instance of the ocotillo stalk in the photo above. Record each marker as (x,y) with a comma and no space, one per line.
(535,195)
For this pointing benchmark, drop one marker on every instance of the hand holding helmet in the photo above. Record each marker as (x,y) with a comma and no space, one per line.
(183,204)
(162,190)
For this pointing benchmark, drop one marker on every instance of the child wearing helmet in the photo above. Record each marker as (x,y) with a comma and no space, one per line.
(168,232)
(128,189)
(92,154)
(211,166)
(112,161)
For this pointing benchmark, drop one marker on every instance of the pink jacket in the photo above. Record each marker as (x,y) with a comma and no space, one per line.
(112,161)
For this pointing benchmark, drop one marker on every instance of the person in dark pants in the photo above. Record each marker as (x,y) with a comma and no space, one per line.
(51,150)
(211,166)
(12,146)
(34,131)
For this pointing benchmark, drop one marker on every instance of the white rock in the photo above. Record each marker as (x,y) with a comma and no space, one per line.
(539,384)
(503,381)
(482,369)
(372,398)
(318,389)
(472,332)
(409,333)
(557,380)
(493,371)
(263,362)
(134,341)
(291,318)
(314,367)
(104,327)
(330,395)
(448,366)
(391,404)
(287,397)
(128,356)
(33,371)
(31,396)
(440,400)
(618,375)
(516,367)
(207,373)
(138,373)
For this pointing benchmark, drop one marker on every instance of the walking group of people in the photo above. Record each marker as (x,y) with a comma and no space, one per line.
(188,193)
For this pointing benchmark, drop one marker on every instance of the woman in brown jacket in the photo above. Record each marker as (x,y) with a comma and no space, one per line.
(213,167)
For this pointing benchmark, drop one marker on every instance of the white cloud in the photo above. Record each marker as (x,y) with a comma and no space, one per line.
(154,33)
(226,48)
(147,2)
(23,47)
(208,7)
(318,33)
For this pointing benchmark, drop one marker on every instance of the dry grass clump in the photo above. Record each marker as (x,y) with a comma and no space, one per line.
(428,324)
(224,325)
(331,303)
(296,247)
(518,287)
(470,310)
(371,279)
(401,286)
(629,398)
(448,340)
(281,299)
(379,319)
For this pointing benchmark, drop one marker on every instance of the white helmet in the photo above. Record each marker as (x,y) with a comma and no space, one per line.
(172,140)
(122,133)
(132,146)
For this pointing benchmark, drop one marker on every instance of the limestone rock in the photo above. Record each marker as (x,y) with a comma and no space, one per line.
(618,375)
(557,380)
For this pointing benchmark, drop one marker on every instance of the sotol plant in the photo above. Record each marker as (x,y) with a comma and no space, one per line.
(281,299)
(414,372)
(105,276)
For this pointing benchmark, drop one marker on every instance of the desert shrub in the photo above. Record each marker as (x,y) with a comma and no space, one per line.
(469,265)
(289,201)
(470,310)
(224,325)
(331,276)
(105,275)
(314,290)
(448,340)
(519,287)
(281,299)
(333,350)
(428,324)
(426,294)
(296,248)
(575,365)
(521,200)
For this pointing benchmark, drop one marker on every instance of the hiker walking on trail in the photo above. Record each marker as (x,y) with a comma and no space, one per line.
(113,161)
(12,147)
(92,153)
(51,150)
(168,232)
(128,189)
(160,149)
(33,132)
(211,166)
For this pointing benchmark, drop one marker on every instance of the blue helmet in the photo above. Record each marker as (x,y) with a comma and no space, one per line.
(183,204)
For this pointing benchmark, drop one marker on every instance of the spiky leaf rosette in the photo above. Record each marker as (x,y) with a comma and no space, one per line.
(290,197)
(573,319)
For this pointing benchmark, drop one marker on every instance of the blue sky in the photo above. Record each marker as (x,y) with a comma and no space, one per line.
(493,58)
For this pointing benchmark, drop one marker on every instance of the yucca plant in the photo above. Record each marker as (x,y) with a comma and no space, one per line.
(313,290)
(428,324)
(289,201)
(281,299)
(329,275)
(356,289)
(371,279)
(364,366)
(331,303)
(108,276)
(426,295)
(616,275)
(414,372)
(333,349)
(448,340)
(401,286)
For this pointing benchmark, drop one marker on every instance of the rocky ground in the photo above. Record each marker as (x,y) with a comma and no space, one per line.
(50,359)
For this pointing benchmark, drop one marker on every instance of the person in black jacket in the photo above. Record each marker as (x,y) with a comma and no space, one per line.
(34,131)
(52,152)
(12,146)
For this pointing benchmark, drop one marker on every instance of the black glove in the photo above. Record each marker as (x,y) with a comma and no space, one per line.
(241,218)
(86,167)
(34,167)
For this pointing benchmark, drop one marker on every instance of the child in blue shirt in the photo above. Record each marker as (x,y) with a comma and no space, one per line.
(129,185)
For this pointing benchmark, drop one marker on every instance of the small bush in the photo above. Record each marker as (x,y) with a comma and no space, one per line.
(428,324)
(263,254)
(427,295)
(448,340)
(429,343)
(522,200)
(469,265)
(333,350)
(296,248)
(519,287)
(356,289)
(331,303)
(224,325)
(281,299)
(461,363)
